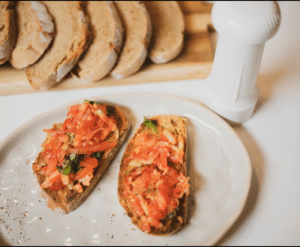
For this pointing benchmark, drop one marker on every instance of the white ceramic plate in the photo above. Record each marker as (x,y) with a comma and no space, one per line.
(218,165)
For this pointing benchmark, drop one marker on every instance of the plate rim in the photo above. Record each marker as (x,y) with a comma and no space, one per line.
(185,101)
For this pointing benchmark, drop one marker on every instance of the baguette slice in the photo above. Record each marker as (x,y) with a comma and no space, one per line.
(169,127)
(35,32)
(106,42)
(7,29)
(71,40)
(65,200)
(168,30)
(138,31)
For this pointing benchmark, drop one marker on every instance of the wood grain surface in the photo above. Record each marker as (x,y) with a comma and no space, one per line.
(194,62)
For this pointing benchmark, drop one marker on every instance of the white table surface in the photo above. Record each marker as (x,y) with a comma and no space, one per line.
(271,136)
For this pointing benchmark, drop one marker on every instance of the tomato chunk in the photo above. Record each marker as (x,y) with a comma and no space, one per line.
(89,162)
(78,187)
(83,173)
(104,146)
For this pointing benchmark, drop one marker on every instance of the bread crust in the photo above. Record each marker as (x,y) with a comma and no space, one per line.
(168,30)
(101,66)
(30,49)
(170,226)
(69,61)
(65,200)
(8,40)
(125,69)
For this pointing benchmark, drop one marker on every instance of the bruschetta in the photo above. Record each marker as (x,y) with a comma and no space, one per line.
(153,186)
(76,153)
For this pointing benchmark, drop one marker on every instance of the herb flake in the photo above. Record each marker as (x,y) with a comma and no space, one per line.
(67,169)
(150,124)
(72,163)
(91,102)
(97,155)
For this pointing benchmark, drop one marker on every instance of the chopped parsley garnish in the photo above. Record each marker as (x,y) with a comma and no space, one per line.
(91,102)
(97,155)
(72,163)
(67,169)
(150,124)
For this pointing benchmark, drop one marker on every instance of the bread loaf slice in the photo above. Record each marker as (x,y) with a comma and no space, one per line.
(138,31)
(158,148)
(106,42)
(35,29)
(168,30)
(64,200)
(71,40)
(7,29)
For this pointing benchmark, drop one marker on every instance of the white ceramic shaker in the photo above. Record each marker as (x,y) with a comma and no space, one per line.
(243,28)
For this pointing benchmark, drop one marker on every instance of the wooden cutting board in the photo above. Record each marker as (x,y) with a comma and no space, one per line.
(195,61)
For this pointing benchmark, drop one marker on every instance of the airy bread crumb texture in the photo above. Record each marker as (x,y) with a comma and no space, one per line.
(168,30)
(106,41)
(138,31)
(35,32)
(66,48)
(7,30)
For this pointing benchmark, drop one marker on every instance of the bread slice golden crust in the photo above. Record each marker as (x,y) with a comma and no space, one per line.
(35,32)
(138,31)
(7,29)
(106,42)
(65,200)
(177,126)
(70,41)
(168,30)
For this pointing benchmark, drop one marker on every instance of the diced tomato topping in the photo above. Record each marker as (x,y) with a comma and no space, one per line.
(36,168)
(153,190)
(104,146)
(52,131)
(136,205)
(79,188)
(65,179)
(153,194)
(53,180)
(89,162)
(143,140)
(87,171)
(161,160)
(57,185)
(145,225)
(84,131)
(72,176)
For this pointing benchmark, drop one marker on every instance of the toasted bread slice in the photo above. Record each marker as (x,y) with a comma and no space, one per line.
(7,29)
(138,31)
(168,30)
(106,42)
(68,198)
(175,128)
(35,32)
(71,40)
